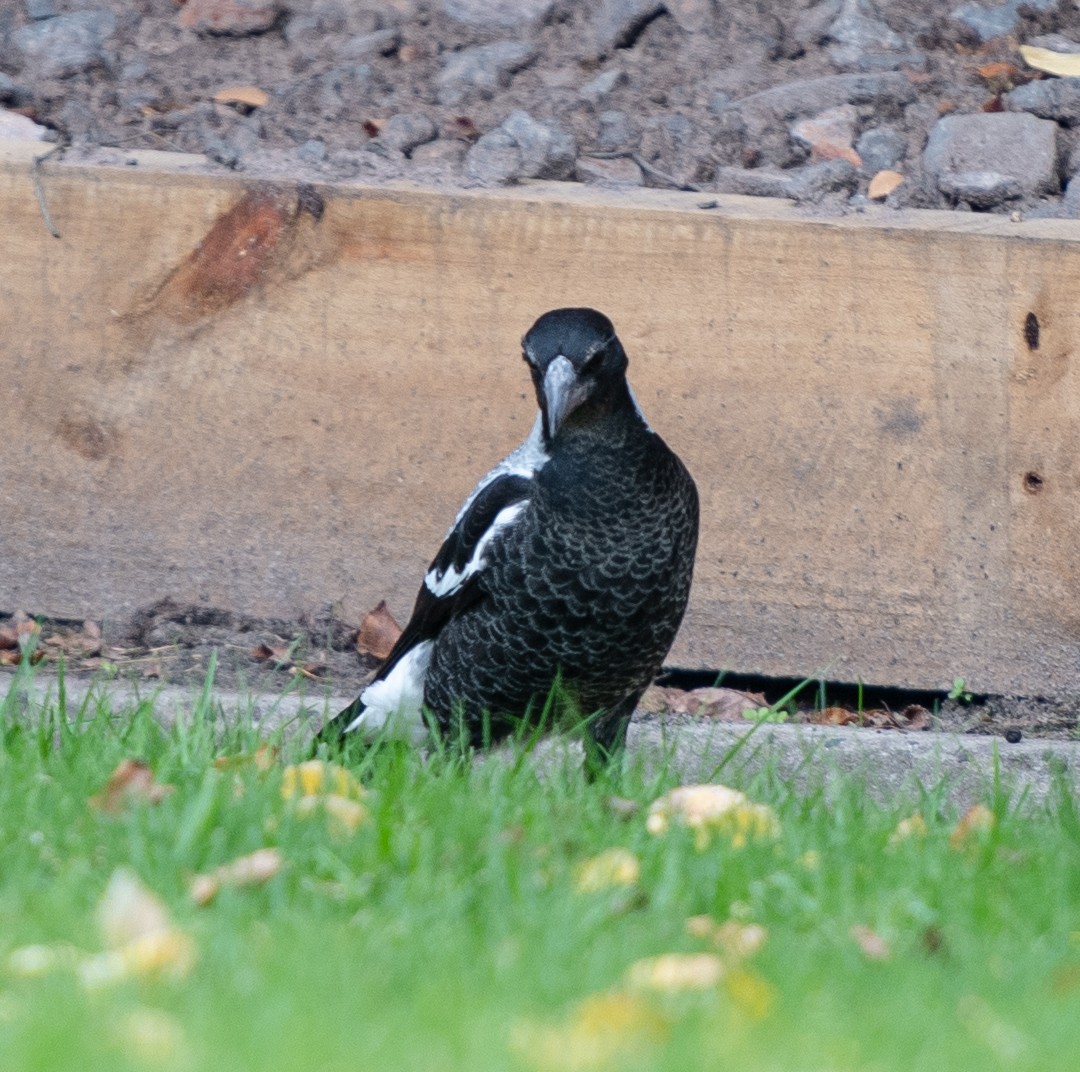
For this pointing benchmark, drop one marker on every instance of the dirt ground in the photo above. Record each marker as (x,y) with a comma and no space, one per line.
(614,92)
(172,643)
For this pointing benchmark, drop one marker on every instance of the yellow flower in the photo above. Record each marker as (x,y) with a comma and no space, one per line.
(612,867)
(709,809)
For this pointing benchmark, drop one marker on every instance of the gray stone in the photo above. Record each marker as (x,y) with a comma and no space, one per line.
(980,189)
(988,23)
(870,62)
(40,9)
(856,32)
(799,184)
(1071,201)
(1014,144)
(313,151)
(364,46)
(616,23)
(621,171)
(521,148)
(506,14)
(65,45)
(693,16)
(880,148)
(1049,98)
(404,132)
(482,70)
(615,131)
(11,92)
(446,152)
(1055,42)
(595,91)
(791,100)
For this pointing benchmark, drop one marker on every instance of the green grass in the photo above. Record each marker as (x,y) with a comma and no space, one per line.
(447,932)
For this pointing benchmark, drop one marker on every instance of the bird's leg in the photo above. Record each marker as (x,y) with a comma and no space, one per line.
(605,737)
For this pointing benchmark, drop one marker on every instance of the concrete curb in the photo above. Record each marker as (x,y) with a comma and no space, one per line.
(955,771)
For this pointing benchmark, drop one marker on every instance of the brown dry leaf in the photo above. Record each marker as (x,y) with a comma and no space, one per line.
(835,716)
(278,653)
(873,946)
(724,705)
(408,53)
(251,96)
(1000,77)
(251,870)
(1065,64)
(883,184)
(152,670)
(372,127)
(465,128)
(9,638)
(92,629)
(914,717)
(378,632)
(131,782)
(975,822)
(10,658)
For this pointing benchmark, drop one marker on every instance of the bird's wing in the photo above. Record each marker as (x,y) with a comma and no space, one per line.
(454,579)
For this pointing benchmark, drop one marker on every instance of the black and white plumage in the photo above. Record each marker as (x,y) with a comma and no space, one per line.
(569,563)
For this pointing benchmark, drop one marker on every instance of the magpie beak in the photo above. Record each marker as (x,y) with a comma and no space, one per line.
(563,393)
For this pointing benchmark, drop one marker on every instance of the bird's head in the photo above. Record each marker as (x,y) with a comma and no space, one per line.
(578,366)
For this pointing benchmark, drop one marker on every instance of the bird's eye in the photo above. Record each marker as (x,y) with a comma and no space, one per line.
(593,361)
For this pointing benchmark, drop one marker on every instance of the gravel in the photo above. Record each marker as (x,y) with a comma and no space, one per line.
(696,94)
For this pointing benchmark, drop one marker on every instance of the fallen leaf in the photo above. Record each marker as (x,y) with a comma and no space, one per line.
(378,632)
(873,946)
(251,870)
(835,716)
(1065,64)
(914,826)
(319,778)
(279,653)
(708,809)
(250,96)
(975,822)
(9,639)
(131,782)
(883,184)
(372,127)
(724,705)
(612,867)
(465,128)
(829,135)
(344,814)
(676,971)
(1001,77)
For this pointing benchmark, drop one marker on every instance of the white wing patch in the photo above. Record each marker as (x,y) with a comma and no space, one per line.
(394,706)
(525,461)
(443,584)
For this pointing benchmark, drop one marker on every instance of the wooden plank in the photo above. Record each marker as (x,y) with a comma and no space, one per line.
(217,392)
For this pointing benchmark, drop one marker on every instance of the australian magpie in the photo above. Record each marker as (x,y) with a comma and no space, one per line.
(562,582)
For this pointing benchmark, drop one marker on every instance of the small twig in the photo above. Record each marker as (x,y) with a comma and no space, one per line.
(39,190)
(656,173)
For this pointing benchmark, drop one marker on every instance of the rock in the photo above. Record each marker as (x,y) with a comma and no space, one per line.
(11,92)
(1013,144)
(673,144)
(313,151)
(521,148)
(1055,42)
(508,14)
(231,18)
(799,184)
(1071,200)
(829,134)
(880,149)
(980,189)
(621,171)
(791,100)
(615,131)
(855,33)
(405,131)
(65,45)
(365,46)
(482,70)
(441,153)
(692,16)
(1049,98)
(595,91)
(988,23)
(20,128)
(617,23)
(40,9)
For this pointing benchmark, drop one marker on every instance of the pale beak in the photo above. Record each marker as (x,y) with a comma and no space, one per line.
(563,393)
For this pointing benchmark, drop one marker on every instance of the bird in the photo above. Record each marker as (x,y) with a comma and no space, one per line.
(560,586)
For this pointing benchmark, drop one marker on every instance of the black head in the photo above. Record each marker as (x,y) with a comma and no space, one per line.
(578,366)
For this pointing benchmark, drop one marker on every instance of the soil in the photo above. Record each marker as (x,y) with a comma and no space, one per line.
(176,644)
(619,91)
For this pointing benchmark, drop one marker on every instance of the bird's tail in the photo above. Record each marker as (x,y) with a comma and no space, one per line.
(333,729)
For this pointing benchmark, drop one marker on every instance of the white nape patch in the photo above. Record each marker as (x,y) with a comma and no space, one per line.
(637,407)
(443,584)
(525,461)
(393,707)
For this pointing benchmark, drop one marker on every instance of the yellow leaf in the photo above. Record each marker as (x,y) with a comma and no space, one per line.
(343,814)
(883,184)
(318,778)
(252,96)
(676,971)
(1065,64)
(612,867)
(708,809)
